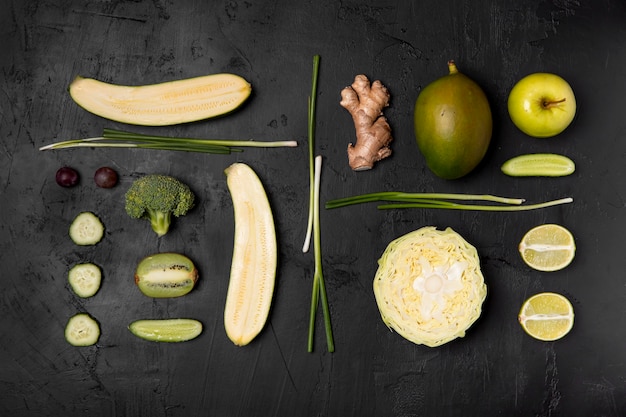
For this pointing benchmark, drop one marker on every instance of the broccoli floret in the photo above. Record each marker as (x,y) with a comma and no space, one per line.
(157,198)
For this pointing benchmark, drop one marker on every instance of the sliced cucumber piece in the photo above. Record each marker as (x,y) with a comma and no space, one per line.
(166,330)
(86,229)
(82,330)
(539,165)
(85,279)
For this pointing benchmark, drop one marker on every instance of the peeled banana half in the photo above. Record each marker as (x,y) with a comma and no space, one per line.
(253,268)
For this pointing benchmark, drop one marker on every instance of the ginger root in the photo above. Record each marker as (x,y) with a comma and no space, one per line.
(366,102)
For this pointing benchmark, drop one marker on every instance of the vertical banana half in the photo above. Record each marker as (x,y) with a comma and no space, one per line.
(253,269)
(167,103)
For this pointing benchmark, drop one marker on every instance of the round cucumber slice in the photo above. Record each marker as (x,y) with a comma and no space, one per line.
(539,165)
(82,330)
(166,330)
(86,229)
(85,279)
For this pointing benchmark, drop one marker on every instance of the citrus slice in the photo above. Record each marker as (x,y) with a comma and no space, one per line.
(548,247)
(547,316)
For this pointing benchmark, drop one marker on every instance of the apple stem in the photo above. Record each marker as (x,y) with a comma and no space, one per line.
(552,103)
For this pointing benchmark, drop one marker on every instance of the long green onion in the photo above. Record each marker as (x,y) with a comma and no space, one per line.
(119,139)
(313,224)
(398,200)
(319,288)
(312,102)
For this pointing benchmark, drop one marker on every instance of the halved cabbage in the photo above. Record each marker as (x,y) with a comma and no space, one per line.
(429,287)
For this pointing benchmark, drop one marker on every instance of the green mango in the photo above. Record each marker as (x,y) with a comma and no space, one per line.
(453,124)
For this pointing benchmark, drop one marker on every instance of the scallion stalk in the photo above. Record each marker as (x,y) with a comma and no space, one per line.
(119,139)
(399,200)
(313,225)
(312,101)
(319,287)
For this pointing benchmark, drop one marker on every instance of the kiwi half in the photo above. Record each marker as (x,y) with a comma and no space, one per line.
(166,275)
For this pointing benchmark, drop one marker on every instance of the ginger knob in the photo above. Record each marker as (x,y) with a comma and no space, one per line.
(366,102)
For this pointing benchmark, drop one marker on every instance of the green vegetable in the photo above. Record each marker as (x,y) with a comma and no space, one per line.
(429,287)
(167,103)
(539,165)
(166,275)
(82,330)
(86,229)
(313,226)
(85,279)
(117,139)
(158,198)
(442,201)
(319,287)
(255,255)
(166,330)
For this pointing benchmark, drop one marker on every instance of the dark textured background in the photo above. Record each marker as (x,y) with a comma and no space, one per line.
(495,370)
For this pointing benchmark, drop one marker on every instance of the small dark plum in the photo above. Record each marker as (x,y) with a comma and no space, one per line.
(105,177)
(67,177)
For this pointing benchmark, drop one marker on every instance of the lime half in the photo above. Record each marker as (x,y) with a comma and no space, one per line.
(547,316)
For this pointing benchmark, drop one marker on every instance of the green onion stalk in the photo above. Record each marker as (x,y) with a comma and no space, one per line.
(450,201)
(313,224)
(112,138)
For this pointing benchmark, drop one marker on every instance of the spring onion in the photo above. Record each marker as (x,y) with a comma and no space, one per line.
(119,139)
(313,224)
(319,288)
(311,138)
(398,200)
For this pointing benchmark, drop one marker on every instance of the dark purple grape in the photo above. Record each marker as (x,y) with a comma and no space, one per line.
(67,177)
(105,177)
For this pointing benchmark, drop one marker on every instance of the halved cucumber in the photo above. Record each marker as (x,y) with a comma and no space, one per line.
(82,330)
(166,330)
(539,165)
(162,104)
(86,229)
(85,279)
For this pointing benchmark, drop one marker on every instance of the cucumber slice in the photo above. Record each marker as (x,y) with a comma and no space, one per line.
(82,330)
(86,229)
(85,279)
(166,330)
(539,165)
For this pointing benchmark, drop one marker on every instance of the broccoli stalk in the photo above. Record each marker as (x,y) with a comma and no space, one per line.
(156,198)
(159,220)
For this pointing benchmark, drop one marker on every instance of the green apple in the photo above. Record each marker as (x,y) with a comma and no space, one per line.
(542,105)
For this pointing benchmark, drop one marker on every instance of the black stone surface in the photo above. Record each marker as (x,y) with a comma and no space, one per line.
(496,370)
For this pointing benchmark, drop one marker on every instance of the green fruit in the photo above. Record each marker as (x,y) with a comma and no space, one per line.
(166,330)
(452,124)
(539,165)
(166,275)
